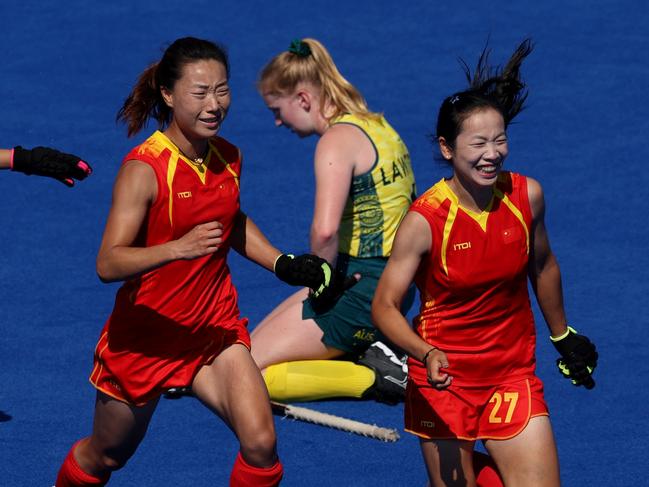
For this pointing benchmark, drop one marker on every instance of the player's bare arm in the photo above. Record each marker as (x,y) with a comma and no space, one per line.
(119,258)
(412,242)
(544,272)
(249,241)
(334,167)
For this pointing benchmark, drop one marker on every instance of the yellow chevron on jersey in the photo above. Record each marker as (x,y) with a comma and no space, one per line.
(441,192)
(473,282)
(379,198)
(158,142)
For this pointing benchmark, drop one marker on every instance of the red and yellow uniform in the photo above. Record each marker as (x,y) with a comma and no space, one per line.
(170,321)
(475,307)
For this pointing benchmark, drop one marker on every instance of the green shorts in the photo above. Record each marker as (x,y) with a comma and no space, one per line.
(348,325)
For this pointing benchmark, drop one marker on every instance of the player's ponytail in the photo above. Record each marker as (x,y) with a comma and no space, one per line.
(144,102)
(308,61)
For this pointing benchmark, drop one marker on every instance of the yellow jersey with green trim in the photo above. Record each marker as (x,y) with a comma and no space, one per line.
(380,198)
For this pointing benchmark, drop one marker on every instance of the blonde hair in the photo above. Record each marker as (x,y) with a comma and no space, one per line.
(286,70)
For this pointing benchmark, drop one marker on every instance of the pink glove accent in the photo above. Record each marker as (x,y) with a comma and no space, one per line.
(11,160)
(84,167)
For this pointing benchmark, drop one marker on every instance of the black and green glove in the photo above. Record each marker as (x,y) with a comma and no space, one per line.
(44,161)
(326,283)
(578,357)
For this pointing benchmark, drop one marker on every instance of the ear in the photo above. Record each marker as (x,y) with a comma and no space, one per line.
(167,96)
(304,99)
(445,149)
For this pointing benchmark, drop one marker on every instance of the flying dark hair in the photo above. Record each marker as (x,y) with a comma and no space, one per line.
(489,87)
(145,100)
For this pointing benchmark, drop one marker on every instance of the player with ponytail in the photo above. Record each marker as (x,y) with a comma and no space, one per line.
(471,243)
(175,215)
(364,186)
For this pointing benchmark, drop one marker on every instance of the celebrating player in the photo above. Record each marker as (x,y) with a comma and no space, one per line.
(364,186)
(174,216)
(44,161)
(470,243)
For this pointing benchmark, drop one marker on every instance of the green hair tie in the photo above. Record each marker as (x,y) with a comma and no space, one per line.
(300,48)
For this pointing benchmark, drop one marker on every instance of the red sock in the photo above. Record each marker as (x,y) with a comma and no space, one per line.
(486,472)
(71,474)
(244,475)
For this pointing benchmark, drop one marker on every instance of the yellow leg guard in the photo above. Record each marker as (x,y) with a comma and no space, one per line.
(312,380)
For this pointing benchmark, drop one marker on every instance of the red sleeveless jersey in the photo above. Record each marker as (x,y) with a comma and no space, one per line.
(171,320)
(475,305)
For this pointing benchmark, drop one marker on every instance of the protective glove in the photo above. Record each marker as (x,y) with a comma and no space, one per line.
(44,161)
(578,357)
(326,283)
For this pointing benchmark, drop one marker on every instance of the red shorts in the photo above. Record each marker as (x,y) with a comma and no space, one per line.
(136,374)
(471,413)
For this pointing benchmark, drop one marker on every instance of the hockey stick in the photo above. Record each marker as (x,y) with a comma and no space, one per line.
(316,417)
(331,421)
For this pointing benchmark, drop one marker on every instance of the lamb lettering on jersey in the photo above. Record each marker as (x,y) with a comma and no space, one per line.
(400,169)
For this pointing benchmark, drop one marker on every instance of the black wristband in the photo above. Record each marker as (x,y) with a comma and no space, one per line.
(425,357)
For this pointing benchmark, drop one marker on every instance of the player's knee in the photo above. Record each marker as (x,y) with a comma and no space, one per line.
(95,459)
(110,462)
(260,450)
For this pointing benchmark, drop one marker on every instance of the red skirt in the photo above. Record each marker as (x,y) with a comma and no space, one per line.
(138,363)
(498,412)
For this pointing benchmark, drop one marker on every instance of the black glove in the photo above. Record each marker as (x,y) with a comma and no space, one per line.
(327,284)
(338,283)
(578,358)
(44,161)
(304,270)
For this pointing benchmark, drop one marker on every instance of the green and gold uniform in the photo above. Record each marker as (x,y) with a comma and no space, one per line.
(378,200)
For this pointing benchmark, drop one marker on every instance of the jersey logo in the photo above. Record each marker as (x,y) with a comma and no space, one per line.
(462,246)
(184,194)
(364,335)
(512,234)
(427,424)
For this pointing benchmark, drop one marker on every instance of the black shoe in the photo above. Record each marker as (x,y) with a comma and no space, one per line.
(390,370)
(178,392)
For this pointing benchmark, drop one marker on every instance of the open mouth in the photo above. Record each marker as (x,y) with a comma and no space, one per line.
(216,119)
(488,169)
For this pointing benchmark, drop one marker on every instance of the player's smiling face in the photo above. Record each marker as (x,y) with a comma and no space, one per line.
(200,98)
(289,112)
(480,148)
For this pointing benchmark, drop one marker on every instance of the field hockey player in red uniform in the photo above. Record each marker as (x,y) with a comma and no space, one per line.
(471,243)
(175,215)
